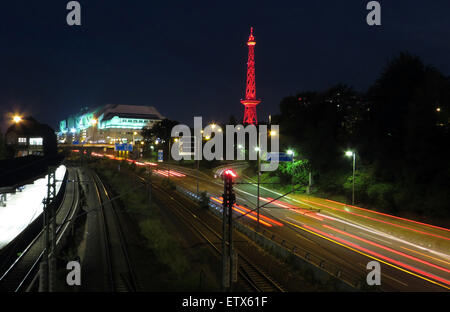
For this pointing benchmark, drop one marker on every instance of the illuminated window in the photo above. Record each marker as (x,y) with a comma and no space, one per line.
(36,141)
(22,140)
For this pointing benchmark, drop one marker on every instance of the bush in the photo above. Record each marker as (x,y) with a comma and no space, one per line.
(381,194)
(163,245)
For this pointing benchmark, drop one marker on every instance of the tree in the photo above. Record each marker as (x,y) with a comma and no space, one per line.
(3,151)
(160,132)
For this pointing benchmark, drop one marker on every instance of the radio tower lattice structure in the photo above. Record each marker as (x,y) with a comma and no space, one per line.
(250,100)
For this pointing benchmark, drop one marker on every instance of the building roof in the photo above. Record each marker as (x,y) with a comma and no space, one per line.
(30,127)
(130,111)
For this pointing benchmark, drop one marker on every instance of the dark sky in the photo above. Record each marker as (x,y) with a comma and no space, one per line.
(188,58)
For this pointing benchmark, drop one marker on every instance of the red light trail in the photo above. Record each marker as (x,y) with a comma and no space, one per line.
(373,253)
(387,248)
(390,216)
(250,214)
(378,220)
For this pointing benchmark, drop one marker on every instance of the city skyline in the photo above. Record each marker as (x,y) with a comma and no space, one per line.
(167,59)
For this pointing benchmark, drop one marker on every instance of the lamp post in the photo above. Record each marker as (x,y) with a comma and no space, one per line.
(258,173)
(258,149)
(197,148)
(93,123)
(291,152)
(352,154)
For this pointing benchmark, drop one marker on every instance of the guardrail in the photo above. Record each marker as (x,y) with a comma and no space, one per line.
(298,256)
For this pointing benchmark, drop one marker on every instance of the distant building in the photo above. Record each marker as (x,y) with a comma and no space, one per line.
(108,124)
(29,137)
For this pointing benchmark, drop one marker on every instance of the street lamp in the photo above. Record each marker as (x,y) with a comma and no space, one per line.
(291,152)
(258,149)
(134,133)
(168,156)
(352,154)
(93,123)
(17,118)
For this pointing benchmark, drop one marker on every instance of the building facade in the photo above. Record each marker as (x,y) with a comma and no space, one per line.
(108,124)
(29,137)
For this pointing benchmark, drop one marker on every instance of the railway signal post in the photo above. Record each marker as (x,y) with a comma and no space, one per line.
(228,258)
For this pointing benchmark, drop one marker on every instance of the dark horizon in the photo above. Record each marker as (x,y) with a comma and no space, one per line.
(180,58)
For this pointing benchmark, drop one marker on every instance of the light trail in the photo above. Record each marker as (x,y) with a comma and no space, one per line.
(366,229)
(420,253)
(293,208)
(371,254)
(249,213)
(382,221)
(172,173)
(251,217)
(260,215)
(387,248)
(391,216)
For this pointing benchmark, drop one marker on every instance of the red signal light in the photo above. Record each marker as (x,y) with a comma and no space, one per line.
(230,172)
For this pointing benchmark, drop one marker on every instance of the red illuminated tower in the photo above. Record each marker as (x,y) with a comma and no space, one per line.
(250,101)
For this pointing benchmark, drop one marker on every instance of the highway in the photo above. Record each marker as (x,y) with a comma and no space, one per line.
(413,256)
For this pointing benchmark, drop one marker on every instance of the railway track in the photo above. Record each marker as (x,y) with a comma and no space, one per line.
(20,274)
(121,276)
(255,278)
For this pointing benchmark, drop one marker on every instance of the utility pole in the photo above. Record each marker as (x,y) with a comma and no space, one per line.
(352,154)
(48,264)
(198,162)
(259,174)
(353,180)
(228,263)
(168,158)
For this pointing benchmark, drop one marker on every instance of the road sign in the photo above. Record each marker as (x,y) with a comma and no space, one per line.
(160,155)
(123,147)
(279,156)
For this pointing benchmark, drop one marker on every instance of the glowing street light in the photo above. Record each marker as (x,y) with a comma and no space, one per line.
(352,154)
(290,152)
(272,133)
(17,118)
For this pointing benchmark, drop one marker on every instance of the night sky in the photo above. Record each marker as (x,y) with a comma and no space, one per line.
(189,58)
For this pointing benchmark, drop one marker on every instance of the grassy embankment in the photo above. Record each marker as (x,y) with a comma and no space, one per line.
(173,265)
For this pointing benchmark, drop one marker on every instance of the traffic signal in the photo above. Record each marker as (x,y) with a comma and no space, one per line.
(229,198)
